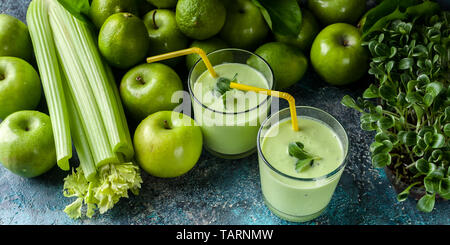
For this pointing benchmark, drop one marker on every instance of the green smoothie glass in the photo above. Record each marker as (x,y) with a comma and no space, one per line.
(230,123)
(291,194)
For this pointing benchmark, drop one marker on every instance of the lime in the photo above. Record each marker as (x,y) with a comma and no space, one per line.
(208,46)
(288,63)
(14,38)
(123,40)
(200,19)
(101,9)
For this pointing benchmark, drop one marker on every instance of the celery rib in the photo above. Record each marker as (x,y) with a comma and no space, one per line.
(79,87)
(103,90)
(80,140)
(47,61)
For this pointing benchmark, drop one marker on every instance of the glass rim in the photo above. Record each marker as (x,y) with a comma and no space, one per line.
(325,176)
(265,101)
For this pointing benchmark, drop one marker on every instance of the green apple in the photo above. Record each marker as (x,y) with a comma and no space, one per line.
(337,54)
(308,31)
(208,46)
(288,62)
(245,26)
(15,39)
(163,4)
(27,147)
(20,86)
(334,11)
(168,144)
(101,9)
(164,34)
(148,88)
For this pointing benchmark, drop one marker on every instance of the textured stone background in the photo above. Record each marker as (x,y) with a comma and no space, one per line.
(225,192)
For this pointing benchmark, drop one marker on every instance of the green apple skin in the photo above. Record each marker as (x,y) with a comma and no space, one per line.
(20,86)
(309,30)
(288,62)
(337,55)
(164,34)
(101,9)
(15,39)
(163,4)
(148,88)
(245,26)
(208,46)
(337,11)
(168,144)
(27,147)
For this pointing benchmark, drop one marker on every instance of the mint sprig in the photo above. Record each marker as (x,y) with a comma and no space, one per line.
(222,86)
(304,158)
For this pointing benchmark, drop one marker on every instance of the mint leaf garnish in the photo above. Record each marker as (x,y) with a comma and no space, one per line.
(304,159)
(222,86)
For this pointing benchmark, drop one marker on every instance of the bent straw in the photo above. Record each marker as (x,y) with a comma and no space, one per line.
(269,92)
(182,52)
(199,51)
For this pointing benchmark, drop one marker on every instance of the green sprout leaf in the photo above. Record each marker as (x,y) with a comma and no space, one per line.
(432,180)
(304,159)
(402,196)
(426,203)
(350,103)
(444,186)
(424,167)
(381,160)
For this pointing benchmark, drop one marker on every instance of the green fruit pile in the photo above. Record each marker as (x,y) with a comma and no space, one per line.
(129,31)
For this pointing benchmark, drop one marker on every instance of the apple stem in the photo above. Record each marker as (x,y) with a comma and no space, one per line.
(154,20)
(139,79)
(166,125)
(345,42)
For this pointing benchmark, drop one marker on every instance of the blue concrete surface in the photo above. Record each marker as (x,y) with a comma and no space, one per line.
(225,192)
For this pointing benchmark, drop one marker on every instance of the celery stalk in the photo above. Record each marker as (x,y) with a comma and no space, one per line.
(129,147)
(79,87)
(80,140)
(47,61)
(103,90)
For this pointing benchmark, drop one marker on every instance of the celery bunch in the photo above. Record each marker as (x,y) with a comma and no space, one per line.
(84,106)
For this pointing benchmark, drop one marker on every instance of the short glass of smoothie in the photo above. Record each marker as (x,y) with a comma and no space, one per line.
(230,120)
(298,187)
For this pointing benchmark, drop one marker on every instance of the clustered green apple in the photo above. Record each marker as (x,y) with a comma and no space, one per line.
(337,11)
(164,34)
(27,147)
(15,39)
(245,26)
(101,9)
(337,55)
(168,144)
(148,88)
(20,86)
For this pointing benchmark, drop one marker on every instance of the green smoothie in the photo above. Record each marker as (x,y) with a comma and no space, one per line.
(230,121)
(306,193)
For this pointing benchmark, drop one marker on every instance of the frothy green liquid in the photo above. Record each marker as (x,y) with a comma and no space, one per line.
(292,198)
(230,126)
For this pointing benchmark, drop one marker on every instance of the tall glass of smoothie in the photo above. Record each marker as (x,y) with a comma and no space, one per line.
(230,119)
(300,170)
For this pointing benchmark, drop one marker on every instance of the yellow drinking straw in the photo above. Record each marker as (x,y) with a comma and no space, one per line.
(239,86)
